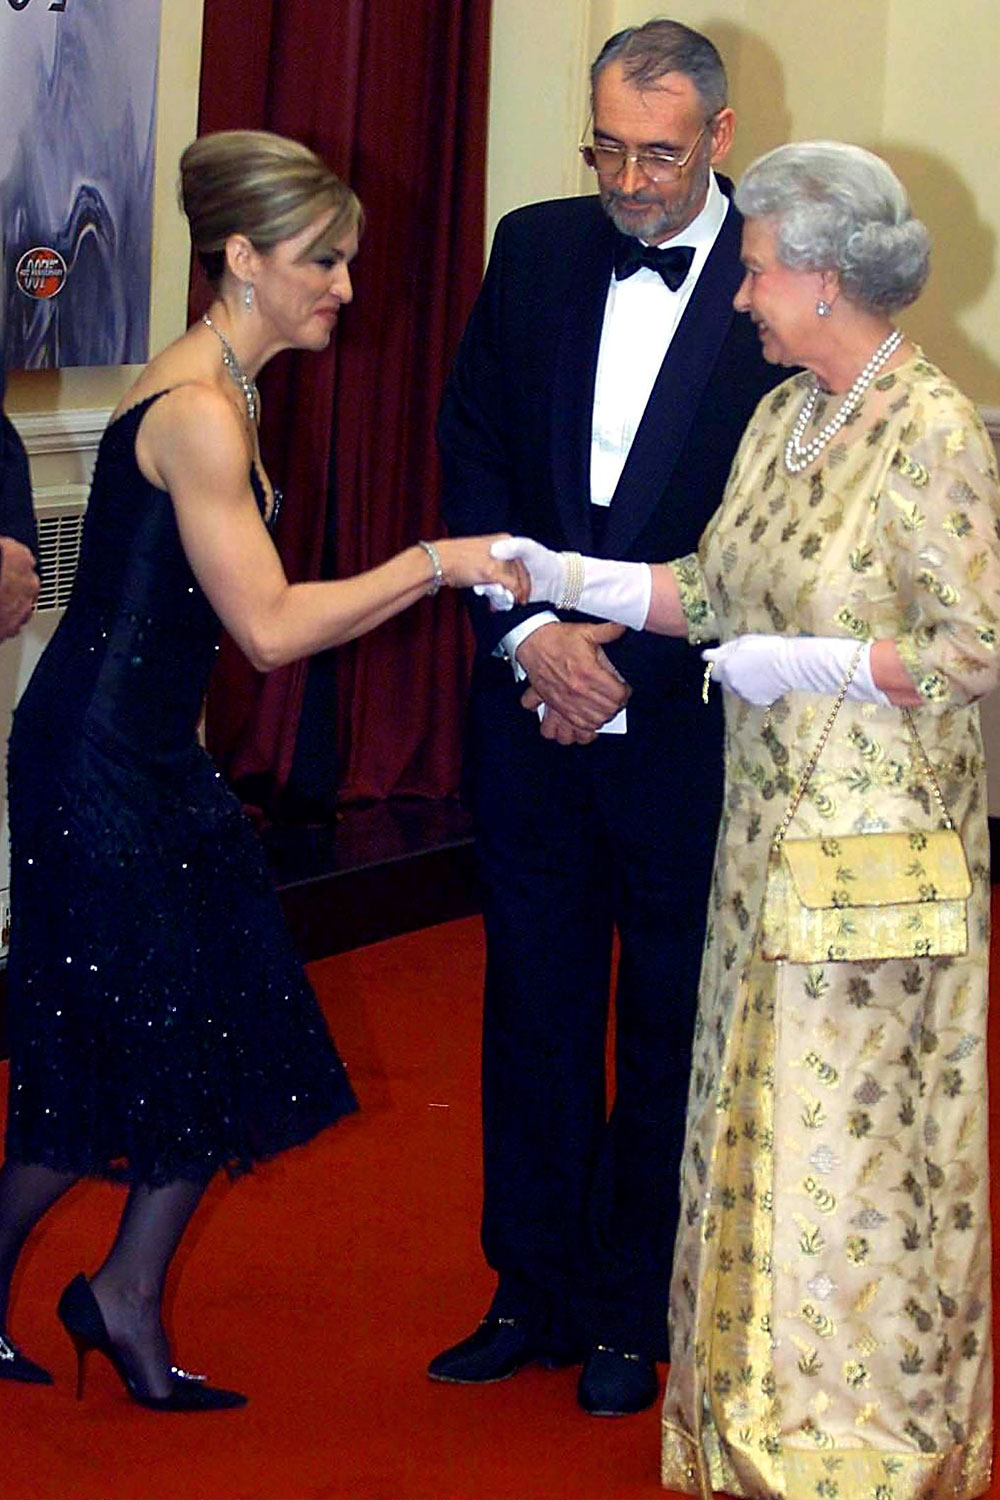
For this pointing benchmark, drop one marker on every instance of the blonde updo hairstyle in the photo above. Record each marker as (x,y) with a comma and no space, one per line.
(264,186)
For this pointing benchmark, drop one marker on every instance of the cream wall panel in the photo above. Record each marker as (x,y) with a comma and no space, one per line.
(941,133)
(177,124)
(805,70)
(538,107)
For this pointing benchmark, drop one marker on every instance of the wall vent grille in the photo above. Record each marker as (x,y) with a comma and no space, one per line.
(60,528)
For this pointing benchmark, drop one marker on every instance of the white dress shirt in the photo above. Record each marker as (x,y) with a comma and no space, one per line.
(641,316)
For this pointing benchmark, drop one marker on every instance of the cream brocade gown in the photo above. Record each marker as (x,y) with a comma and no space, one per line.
(830,1301)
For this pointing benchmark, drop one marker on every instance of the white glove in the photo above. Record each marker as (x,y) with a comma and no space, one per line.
(762,668)
(499,596)
(609,590)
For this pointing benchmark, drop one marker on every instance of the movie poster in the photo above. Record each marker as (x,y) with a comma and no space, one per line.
(78,92)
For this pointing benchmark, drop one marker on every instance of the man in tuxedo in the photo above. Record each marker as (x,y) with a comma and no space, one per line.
(18,540)
(597,399)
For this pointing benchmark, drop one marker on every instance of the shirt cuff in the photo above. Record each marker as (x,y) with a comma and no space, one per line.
(508,644)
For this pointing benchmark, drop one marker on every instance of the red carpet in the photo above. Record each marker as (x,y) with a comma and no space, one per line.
(321,1285)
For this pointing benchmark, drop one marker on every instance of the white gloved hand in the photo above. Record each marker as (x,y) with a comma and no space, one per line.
(500,598)
(763,668)
(547,568)
(598,586)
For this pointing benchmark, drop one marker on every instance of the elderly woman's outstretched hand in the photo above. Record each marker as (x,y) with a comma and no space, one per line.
(609,590)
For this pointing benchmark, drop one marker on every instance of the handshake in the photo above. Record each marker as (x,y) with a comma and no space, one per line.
(758,667)
(618,591)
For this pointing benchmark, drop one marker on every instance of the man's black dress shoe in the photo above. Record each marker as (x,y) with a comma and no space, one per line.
(616,1385)
(498,1349)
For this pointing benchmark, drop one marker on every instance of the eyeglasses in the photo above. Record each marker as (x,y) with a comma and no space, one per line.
(658,166)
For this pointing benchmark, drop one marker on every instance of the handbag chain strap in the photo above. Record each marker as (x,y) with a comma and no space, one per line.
(820,745)
(931,777)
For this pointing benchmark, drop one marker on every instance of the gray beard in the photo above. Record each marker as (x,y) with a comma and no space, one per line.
(663,221)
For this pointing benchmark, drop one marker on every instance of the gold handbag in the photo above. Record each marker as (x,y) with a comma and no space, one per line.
(844,897)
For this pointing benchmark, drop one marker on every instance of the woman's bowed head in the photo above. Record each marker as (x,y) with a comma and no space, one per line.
(275,232)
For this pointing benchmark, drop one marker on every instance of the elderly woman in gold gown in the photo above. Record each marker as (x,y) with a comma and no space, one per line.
(830,1302)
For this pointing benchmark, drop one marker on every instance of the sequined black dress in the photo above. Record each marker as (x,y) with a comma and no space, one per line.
(160,1025)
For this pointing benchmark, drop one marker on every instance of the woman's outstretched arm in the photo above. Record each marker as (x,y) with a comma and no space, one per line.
(644,596)
(192,443)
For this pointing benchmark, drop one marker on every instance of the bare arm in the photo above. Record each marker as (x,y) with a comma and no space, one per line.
(889,674)
(666,613)
(192,444)
(643,596)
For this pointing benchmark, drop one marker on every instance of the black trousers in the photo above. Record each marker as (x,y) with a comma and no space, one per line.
(580,1208)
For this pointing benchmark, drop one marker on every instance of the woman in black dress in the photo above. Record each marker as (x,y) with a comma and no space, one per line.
(160,1024)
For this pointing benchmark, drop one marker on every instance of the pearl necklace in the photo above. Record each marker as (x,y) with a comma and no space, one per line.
(236,370)
(799,456)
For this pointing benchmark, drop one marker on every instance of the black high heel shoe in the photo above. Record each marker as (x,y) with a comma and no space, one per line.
(83,1320)
(17,1366)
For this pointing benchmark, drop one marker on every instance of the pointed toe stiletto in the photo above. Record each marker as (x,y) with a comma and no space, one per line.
(81,1316)
(17,1366)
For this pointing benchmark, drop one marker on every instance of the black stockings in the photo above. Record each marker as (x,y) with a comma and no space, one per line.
(26,1192)
(129,1285)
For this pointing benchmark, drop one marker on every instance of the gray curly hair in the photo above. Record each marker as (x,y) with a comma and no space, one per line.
(840,208)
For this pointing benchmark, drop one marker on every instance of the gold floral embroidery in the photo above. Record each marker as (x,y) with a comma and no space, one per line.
(912,471)
(836,1118)
(910,514)
(694,599)
(957,524)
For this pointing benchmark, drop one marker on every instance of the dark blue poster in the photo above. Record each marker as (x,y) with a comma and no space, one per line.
(78,91)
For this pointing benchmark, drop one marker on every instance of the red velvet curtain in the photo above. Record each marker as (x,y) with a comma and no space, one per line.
(393,95)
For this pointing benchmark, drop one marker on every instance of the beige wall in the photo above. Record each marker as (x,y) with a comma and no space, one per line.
(177,111)
(864,70)
(941,131)
(911,79)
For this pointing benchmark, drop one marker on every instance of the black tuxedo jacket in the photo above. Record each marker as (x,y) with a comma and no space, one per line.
(515,423)
(621,830)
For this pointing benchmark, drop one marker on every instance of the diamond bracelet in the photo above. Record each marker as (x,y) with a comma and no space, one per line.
(438,580)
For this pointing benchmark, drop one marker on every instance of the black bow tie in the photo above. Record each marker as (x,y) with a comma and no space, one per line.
(672,262)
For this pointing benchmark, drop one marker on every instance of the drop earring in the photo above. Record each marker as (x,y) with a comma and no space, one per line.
(248,295)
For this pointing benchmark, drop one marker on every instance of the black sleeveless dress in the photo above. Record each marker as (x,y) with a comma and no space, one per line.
(160,1024)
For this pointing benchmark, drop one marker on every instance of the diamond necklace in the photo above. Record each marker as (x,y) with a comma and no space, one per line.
(236,370)
(799,456)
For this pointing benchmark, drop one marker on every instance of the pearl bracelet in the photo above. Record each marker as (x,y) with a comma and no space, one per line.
(438,580)
(573,583)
